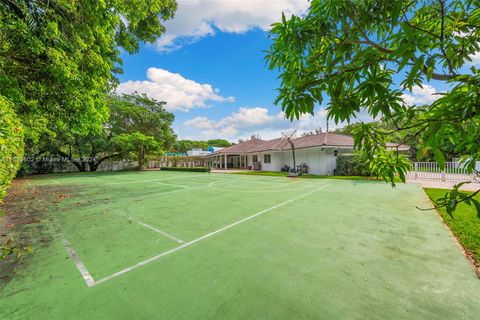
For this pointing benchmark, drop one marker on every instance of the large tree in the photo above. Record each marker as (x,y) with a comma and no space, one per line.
(136,124)
(58,58)
(364,54)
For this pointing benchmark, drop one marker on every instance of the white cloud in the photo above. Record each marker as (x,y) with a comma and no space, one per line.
(475,60)
(179,93)
(195,19)
(248,121)
(420,96)
(231,126)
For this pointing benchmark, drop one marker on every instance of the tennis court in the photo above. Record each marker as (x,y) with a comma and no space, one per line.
(183,245)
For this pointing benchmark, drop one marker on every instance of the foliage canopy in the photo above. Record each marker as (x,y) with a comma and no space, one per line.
(11,144)
(364,54)
(58,58)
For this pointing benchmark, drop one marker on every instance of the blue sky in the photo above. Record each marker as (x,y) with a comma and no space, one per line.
(209,67)
(231,63)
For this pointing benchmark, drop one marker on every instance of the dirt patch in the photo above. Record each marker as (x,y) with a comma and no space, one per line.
(24,223)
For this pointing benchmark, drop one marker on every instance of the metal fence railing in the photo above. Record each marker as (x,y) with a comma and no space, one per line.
(454,171)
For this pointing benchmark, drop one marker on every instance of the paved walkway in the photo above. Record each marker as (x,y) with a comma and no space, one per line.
(445,184)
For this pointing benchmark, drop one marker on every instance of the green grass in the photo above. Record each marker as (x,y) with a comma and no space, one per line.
(308,176)
(262,173)
(254,247)
(464,223)
(187,169)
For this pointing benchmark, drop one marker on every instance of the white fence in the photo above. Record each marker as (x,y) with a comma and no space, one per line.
(454,171)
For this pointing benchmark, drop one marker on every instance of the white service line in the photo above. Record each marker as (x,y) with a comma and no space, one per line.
(78,263)
(153,180)
(161,232)
(208,235)
(172,184)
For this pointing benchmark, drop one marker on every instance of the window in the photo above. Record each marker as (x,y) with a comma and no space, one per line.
(254,158)
(335,153)
(266,158)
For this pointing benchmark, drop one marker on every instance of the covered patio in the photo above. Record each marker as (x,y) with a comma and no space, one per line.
(229,161)
(235,156)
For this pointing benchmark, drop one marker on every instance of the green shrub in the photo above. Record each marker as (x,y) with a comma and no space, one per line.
(11,144)
(192,169)
(352,165)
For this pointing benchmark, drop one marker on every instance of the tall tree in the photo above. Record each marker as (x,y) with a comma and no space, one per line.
(134,121)
(58,58)
(222,143)
(364,54)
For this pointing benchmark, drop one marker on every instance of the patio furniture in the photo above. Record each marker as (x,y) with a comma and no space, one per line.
(302,168)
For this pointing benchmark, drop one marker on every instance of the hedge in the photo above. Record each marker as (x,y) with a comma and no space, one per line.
(192,169)
(11,144)
(352,165)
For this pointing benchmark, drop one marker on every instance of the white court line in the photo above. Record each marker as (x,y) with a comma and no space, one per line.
(161,193)
(78,263)
(161,232)
(172,184)
(153,180)
(187,244)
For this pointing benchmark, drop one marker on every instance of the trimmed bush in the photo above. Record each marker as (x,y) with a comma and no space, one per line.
(192,169)
(11,144)
(352,165)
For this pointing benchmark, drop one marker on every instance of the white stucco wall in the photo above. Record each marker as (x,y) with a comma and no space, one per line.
(276,161)
(320,160)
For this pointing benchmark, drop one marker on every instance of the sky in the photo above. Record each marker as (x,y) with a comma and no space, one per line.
(209,67)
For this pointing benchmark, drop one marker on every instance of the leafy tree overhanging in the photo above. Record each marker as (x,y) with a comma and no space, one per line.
(352,51)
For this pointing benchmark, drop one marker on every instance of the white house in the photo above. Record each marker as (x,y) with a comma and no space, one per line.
(195,152)
(317,152)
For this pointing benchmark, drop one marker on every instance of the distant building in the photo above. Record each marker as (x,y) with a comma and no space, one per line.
(215,149)
(195,152)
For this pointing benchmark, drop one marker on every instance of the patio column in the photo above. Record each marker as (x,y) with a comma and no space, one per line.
(225,162)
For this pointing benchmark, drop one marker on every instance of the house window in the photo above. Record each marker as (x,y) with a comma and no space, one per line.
(335,153)
(254,158)
(266,158)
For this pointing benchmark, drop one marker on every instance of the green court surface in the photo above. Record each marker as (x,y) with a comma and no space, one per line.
(182,245)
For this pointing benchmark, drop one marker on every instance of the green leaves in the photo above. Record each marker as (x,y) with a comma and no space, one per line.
(387,164)
(61,57)
(452,198)
(365,55)
(11,144)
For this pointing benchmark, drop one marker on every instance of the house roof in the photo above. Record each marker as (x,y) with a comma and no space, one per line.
(242,147)
(324,139)
(315,140)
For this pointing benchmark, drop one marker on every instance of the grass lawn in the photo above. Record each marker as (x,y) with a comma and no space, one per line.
(185,245)
(307,176)
(464,223)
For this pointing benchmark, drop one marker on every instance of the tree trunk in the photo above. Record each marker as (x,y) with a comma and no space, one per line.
(92,166)
(80,165)
(141,156)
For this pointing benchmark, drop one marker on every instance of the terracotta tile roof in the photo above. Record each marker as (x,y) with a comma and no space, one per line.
(242,147)
(275,144)
(324,139)
(327,139)
(316,140)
